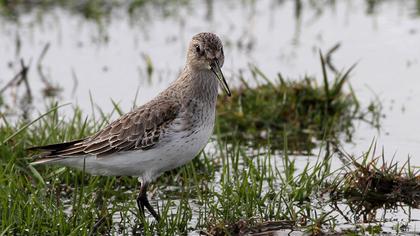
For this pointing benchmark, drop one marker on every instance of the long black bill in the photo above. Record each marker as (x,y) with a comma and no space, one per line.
(218,72)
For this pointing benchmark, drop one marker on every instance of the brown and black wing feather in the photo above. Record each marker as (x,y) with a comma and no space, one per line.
(138,129)
(54,147)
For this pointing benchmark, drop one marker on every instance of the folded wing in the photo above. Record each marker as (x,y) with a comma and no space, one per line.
(139,129)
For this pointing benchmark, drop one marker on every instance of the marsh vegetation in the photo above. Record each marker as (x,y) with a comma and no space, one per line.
(296,149)
(301,110)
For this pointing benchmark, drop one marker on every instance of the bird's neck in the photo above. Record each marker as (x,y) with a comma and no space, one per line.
(200,84)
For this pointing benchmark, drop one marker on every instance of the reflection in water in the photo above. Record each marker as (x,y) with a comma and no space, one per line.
(114,49)
(418,7)
(298,21)
(371,5)
(209,7)
(24,102)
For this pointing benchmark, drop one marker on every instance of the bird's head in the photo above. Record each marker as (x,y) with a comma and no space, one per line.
(205,52)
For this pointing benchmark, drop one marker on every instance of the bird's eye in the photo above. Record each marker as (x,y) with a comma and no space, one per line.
(197,48)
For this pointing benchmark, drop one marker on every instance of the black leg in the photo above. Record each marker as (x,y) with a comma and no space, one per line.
(142,201)
(140,204)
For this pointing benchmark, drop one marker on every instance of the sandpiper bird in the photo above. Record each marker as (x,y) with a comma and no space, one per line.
(163,134)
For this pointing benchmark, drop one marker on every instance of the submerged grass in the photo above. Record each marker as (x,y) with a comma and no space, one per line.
(302,110)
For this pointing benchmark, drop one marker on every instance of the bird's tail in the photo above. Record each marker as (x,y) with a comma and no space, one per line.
(44,160)
(51,153)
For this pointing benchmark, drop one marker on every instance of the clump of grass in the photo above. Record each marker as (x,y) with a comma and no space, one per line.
(369,185)
(302,110)
(32,200)
(262,194)
(222,192)
(249,227)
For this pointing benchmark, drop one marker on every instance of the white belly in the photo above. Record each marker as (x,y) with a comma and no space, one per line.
(176,148)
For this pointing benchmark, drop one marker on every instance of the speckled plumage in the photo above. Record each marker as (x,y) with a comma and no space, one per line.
(184,108)
(160,135)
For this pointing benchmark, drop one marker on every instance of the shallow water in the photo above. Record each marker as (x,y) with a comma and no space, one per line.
(107,60)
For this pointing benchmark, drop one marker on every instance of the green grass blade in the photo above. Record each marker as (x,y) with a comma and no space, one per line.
(32,122)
